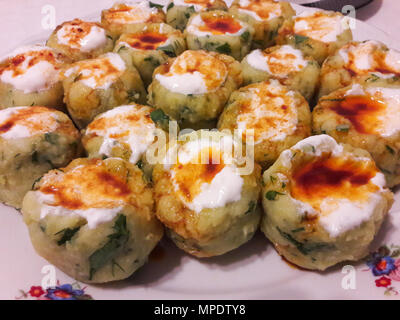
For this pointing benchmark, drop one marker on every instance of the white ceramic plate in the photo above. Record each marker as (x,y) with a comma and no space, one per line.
(254,271)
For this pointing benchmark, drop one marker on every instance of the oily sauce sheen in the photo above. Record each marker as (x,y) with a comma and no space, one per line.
(361,111)
(377,58)
(77,30)
(36,120)
(259,124)
(263,8)
(122,13)
(147,41)
(126,121)
(220,25)
(335,178)
(213,70)
(88,186)
(15,64)
(63,198)
(318,26)
(190,177)
(280,63)
(100,70)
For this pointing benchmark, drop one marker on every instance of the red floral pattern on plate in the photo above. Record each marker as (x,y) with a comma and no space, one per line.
(59,292)
(385,264)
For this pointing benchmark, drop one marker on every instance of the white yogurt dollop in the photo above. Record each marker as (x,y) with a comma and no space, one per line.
(35,74)
(96,38)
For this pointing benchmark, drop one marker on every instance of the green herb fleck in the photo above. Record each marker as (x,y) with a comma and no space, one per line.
(35,182)
(252,207)
(311,147)
(140,164)
(300,39)
(170,6)
(185,113)
(153,61)
(155,5)
(168,50)
(121,48)
(258,42)
(305,248)
(114,263)
(189,12)
(67,235)
(372,78)
(158,116)
(391,150)
(209,45)
(225,49)
(107,253)
(271,195)
(245,36)
(51,138)
(297,230)
(272,34)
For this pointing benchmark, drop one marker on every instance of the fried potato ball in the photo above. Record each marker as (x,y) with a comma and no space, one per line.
(286,64)
(150,47)
(365,116)
(126,132)
(180,11)
(208,207)
(97,85)
(94,219)
(323,202)
(219,31)
(30,76)
(80,40)
(318,33)
(367,61)
(33,140)
(130,17)
(265,16)
(278,117)
(194,87)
